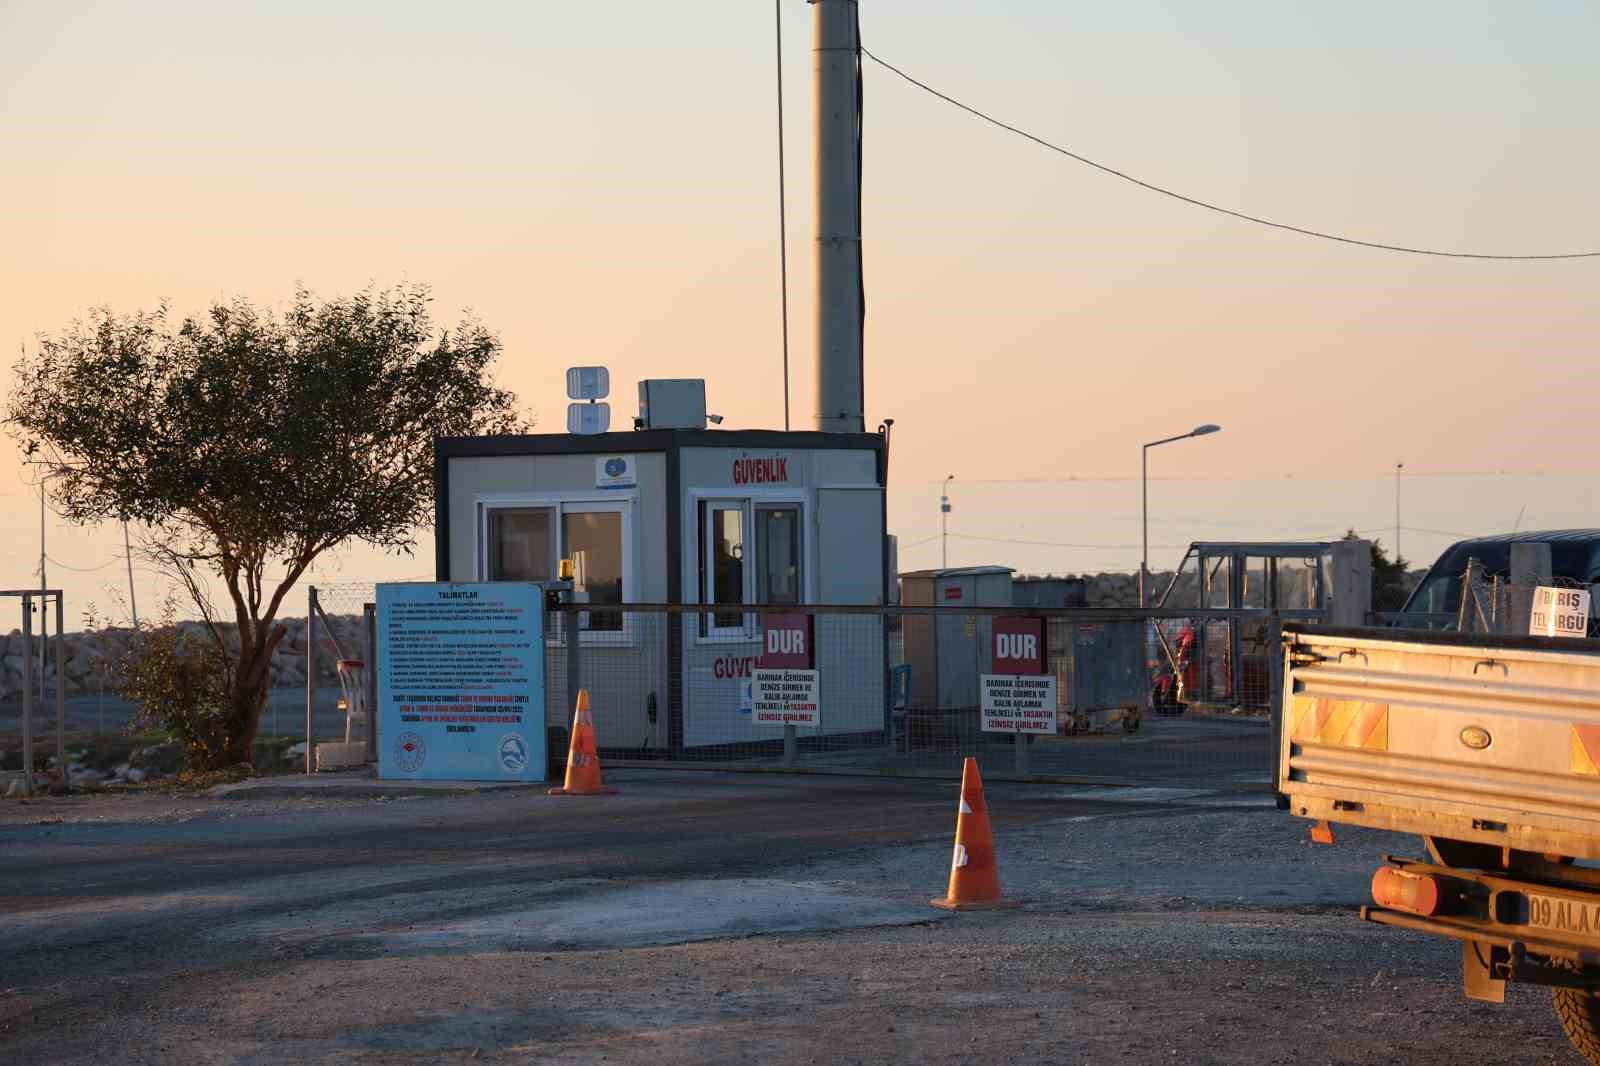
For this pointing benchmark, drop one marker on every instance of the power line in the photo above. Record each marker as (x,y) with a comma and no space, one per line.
(81,569)
(1058,543)
(1202,203)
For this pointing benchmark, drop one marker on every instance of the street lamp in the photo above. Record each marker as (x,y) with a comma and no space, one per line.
(1144,488)
(944,523)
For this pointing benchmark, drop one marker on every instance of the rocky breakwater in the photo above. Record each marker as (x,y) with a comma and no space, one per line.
(91,659)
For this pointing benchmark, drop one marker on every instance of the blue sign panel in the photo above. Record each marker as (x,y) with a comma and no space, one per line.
(461,682)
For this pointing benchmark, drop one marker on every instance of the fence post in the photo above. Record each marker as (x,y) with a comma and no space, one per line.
(311,666)
(1275,690)
(61,689)
(1022,752)
(790,744)
(371,611)
(569,622)
(27,694)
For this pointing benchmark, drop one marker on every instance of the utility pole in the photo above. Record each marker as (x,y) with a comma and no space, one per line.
(1397,468)
(44,586)
(836,73)
(944,523)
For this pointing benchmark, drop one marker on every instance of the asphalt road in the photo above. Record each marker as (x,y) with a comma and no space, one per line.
(704,917)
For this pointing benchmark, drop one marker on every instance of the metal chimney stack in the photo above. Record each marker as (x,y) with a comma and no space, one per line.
(835,74)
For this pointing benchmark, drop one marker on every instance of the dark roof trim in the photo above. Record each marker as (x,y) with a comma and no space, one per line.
(1549,536)
(649,440)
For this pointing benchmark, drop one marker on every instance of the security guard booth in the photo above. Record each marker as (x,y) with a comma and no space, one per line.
(716,519)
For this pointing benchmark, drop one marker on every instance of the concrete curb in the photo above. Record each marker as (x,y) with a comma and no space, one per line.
(362,787)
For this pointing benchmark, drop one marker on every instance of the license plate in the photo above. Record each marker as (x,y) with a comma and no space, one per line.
(1562,915)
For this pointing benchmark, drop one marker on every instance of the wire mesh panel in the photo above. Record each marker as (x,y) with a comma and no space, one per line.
(1119,695)
(1132,695)
(336,629)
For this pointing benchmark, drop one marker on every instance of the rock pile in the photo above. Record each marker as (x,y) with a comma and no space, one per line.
(91,658)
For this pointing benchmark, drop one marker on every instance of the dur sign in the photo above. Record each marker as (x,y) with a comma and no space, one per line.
(1018,646)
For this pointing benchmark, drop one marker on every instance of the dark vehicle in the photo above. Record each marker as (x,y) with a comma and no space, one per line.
(1574,560)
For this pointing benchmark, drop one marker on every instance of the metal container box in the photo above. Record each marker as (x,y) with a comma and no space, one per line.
(1104,669)
(947,653)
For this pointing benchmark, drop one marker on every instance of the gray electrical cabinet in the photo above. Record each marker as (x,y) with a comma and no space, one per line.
(947,652)
(1107,669)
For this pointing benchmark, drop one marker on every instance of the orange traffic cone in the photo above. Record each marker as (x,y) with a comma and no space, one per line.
(583,765)
(974,875)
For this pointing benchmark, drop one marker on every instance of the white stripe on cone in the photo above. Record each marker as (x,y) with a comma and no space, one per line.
(964,808)
(959,859)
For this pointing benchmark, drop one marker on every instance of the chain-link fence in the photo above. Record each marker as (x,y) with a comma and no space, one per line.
(1155,696)
(339,627)
(1132,696)
(1491,603)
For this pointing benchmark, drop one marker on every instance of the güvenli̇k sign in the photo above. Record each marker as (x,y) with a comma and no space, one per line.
(785,682)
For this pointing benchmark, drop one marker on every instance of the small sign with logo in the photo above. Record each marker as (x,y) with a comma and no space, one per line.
(1559,612)
(615,472)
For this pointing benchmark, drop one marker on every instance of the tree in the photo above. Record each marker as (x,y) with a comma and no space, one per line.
(246,437)
(1389,585)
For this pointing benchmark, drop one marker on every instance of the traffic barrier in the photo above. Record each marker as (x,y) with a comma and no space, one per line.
(583,764)
(974,873)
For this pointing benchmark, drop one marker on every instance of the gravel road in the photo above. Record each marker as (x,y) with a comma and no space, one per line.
(715,918)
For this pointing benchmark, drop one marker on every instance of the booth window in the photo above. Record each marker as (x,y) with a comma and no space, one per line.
(778,534)
(593,542)
(724,577)
(523,545)
(519,545)
(748,555)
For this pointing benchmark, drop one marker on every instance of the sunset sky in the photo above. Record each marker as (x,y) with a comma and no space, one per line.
(597,181)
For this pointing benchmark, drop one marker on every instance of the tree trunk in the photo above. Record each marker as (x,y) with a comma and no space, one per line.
(248,698)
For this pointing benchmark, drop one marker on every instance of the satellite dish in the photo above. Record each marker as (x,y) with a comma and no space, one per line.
(588,417)
(588,383)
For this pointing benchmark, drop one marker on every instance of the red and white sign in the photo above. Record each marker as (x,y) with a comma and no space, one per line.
(786,642)
(1018,646)
(952,592)
(761,471)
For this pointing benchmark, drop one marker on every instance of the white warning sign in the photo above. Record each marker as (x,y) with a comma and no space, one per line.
(785,697)
(1559,613)
(1018,703)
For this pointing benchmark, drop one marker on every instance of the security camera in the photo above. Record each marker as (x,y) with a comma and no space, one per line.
(715,420)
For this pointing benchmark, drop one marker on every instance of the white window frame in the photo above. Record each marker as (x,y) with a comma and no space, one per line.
(697,553)
(561,504)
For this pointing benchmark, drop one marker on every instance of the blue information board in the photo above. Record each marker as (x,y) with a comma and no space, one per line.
(461,682)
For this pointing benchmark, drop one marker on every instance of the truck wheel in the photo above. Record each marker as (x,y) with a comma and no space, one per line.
(1579,1011)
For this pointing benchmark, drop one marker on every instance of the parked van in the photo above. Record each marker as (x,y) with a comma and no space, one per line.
(1574,559)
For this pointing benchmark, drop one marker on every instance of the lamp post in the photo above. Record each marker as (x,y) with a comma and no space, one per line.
(944,523)
(1144,511)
